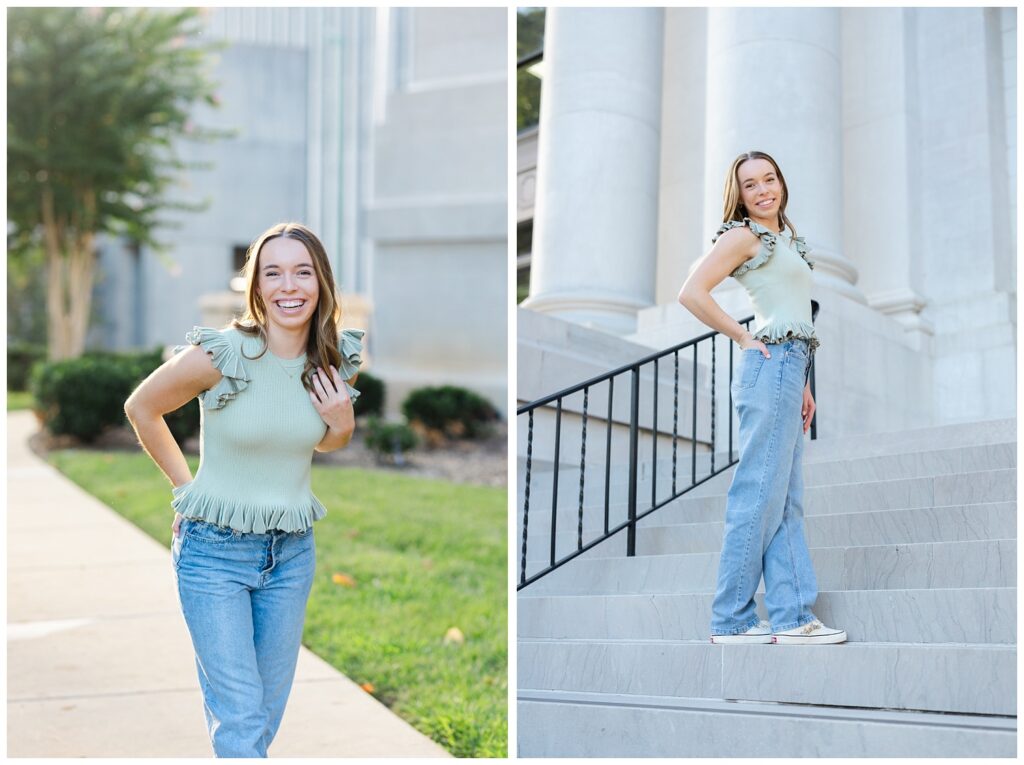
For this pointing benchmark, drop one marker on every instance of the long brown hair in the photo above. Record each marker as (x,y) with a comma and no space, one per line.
(322,346)
(734,208)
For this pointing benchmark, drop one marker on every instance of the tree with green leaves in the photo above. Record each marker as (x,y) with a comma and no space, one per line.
(95,99)
(529,40)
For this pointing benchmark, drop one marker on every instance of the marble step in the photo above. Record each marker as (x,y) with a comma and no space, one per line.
(965,679)
(932,491)
(915,464)
(956,523)
(923,439)
(567,724)
(826,470)
(930,565)
(982,615)
(998,485)
(843,460)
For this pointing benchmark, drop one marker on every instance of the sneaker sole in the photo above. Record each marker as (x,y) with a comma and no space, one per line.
(839,637)
(741,639)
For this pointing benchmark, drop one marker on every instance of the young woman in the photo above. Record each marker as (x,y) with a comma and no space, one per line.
(764,530)
(273,387)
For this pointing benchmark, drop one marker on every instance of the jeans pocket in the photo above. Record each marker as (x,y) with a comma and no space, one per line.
(177,545)
(750,367)
(208,532)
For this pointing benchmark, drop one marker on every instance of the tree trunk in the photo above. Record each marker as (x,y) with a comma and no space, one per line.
(70,262)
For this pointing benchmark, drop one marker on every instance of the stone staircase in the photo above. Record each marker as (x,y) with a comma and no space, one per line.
(913,537)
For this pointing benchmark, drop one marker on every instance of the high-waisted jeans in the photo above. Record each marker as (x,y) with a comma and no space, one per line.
(244,601)
(764,526)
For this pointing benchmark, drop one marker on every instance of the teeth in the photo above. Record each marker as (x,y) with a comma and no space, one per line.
(290,303)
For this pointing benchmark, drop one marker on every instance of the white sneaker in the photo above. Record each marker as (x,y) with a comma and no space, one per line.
(812,633)
(759,633)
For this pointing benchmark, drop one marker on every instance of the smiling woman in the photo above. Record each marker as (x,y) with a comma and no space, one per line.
(275,386)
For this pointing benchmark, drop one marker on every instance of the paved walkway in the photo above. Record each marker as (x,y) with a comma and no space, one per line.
(99,662)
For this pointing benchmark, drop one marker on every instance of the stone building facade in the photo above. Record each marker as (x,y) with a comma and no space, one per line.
(385,131)
(896,131)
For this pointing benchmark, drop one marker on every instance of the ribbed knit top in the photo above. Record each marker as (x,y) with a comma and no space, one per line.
(258,430)
(778,281)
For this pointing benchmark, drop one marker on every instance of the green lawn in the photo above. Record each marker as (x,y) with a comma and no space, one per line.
(424,555)
(18,400)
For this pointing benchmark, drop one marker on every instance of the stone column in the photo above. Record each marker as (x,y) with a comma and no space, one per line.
(775,85)
(881,148)
(596,209)
(681,239)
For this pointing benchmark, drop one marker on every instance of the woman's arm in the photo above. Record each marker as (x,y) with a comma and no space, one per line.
(733,249)
(171,386)
(331,400)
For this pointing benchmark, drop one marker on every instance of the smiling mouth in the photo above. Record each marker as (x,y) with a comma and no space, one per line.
(766,203)
(290,305)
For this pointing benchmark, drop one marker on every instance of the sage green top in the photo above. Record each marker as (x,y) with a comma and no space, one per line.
(778,280)
(258,429)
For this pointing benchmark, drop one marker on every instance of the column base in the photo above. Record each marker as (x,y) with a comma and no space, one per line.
(905,306)
(608,312)
(835,272)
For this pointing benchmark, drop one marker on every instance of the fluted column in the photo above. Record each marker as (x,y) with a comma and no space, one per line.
(596,209)
(775,85)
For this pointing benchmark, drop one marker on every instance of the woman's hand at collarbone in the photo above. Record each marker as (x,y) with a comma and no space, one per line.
(331,400)
(748,343)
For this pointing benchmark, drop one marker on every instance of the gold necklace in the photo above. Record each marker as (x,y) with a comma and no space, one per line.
(296,367)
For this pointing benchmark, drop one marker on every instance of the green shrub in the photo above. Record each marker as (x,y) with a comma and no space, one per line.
(451,410)
(389,440)
(371,395)
(184,422)
(82,397)
(20,358)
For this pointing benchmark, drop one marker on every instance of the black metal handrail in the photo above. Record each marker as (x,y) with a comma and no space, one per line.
(633,515)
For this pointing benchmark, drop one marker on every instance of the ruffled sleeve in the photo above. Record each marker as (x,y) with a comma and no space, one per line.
(350,343)
(763,255)
(225,358)
(803,249)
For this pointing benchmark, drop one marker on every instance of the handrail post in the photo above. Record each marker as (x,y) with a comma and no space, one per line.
(634,438)
(814,395)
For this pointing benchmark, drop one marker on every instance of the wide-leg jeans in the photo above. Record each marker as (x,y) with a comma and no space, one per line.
(244,601)
(764,526)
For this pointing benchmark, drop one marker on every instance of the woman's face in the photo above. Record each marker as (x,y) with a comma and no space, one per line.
(760,189)
(287,282)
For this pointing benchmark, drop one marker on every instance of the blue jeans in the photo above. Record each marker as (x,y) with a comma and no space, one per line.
(764,526)
(244,601)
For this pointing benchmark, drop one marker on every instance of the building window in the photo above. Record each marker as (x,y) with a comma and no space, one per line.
(238,261)
(238,253)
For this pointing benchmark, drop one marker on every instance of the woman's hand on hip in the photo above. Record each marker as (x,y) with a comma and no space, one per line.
(176,525)
(331,400)
(751,343)
(807,410)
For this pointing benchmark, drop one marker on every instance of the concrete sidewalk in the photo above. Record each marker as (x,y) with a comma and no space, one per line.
(99,662)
